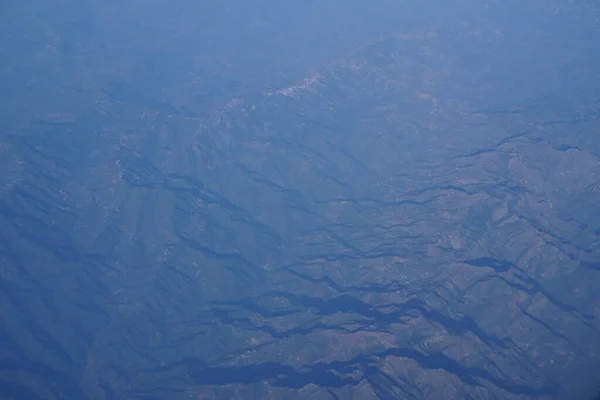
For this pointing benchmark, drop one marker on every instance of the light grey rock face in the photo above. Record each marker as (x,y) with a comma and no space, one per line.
(412,213)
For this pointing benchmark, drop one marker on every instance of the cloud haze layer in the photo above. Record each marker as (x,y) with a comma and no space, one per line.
(290,200)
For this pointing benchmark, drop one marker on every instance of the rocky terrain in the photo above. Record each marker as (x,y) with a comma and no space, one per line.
(418,218)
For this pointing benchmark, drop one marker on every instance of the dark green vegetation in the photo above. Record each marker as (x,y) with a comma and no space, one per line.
(191,207)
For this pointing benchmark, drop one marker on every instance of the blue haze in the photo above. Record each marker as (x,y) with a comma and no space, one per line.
(325,199)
